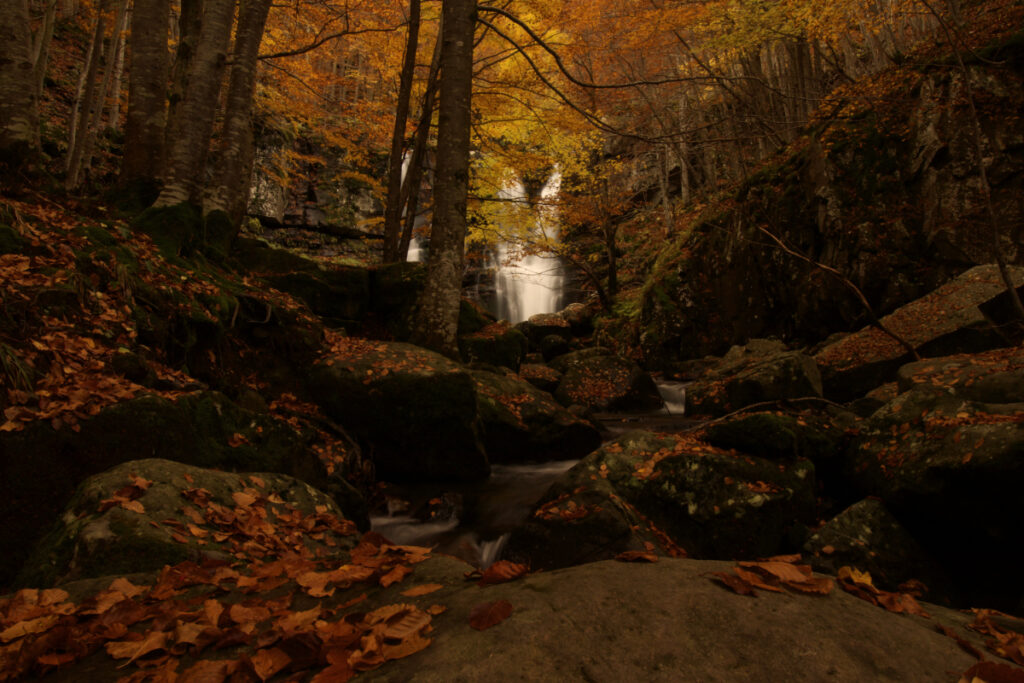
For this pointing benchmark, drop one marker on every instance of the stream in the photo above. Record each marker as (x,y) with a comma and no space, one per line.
(473,521)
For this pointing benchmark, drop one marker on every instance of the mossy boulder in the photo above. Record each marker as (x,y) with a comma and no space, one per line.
(605,383)
(415,410)
(183,513)
(177,230)
(950,320)
(712,503)
(495,344)
(40,466)
(522,423)
(991,377)
(776,435)
(543,324)
(541,376)
(951,470)
(749,375)
(867,537)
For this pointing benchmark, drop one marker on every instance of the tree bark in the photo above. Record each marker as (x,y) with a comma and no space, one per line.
(437,316)
(147,93)
(190,22)
(83,106)
(234,167)
(194,117)
(393,206)
(414,176)
(41,46)
(18,103)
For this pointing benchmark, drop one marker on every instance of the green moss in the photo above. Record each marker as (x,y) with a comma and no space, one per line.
(175,229)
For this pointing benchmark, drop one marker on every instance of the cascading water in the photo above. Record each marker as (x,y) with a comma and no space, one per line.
(527,284)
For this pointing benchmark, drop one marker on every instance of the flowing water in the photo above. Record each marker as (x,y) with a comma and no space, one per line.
(526,284)
(469,521)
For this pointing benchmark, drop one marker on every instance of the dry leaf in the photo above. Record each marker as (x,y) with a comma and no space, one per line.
(501,572)
(488,614)
(636,556)
(422,589)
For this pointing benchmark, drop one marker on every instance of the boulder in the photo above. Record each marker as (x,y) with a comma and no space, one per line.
(947,321)
(522,423)
(40,467)
(415,408)
(681,491)
(603,382)
(553,345)
(761,371)
(541,325)
(495,344)
(777,435)
(989,377)
(144,514)
(541,376)
(951,470)
(867,537)
(580,319)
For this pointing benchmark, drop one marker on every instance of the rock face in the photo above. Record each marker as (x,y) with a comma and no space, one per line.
(951,470)
(496,344)
(762,370)
(949,320)
(522,423)
(604,382)
(611,622)
(41,467)
(713,503)
(727,281)
(416,407)
(991,377)
(95,538)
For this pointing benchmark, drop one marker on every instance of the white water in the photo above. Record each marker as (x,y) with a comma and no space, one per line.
(494,508)
(674,396)
(532,283)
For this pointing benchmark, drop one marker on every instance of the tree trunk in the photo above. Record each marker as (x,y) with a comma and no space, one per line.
(147,93)
(414,176)
(234,167)
(393,206)
(18,104)
(194,116)
(190,22)
(83,106)
(41,46)
(114,110)
(437,316)
(86,138)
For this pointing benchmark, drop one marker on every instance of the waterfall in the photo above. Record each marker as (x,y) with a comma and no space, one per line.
(527,284)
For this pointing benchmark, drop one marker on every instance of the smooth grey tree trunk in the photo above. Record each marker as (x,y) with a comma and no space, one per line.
(148,62)
(437,317)
(234,167)
(194,117)
(18,104)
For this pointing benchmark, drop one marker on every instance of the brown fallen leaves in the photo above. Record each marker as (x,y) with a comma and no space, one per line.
(859,583)
(774,574)
(1003,642)
(501,571)
(247,606)
(488,614)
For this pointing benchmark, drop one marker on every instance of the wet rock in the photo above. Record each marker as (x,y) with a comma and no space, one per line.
(951,470)
(417,408)
(947,321)
(94,538)
(775,435)
(542,325)
(711,502)
(522,423)
(604,382)
(867,537)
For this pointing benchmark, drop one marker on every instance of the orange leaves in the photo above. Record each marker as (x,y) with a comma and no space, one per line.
(859,583)
(127,495)
(422,589)
(1003,642)
(488,614)
(501,571)
(774,574)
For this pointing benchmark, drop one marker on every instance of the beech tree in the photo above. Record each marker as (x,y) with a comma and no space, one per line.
(147,94)
(18,103)
(436,322)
